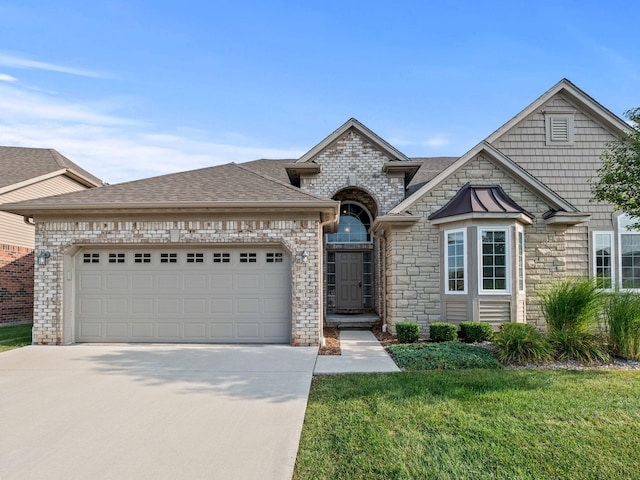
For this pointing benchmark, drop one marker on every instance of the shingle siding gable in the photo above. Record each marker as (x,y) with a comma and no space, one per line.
(566,170)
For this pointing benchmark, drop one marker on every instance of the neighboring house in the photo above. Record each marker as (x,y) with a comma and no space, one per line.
(27,173)
(255,253)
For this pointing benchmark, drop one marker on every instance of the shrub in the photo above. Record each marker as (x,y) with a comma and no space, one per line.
(475,331)
(407,332)
(584,347)
(521,343)
(446,356)
(443,332)
(572,304)
(622,318)
(571,310)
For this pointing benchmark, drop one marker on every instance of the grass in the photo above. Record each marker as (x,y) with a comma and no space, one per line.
(446,356)
(15,336)
(479,424)
(622,316)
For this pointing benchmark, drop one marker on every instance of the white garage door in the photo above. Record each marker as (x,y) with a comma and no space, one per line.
(198,295)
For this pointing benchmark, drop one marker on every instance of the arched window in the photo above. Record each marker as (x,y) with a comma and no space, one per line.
(353,227)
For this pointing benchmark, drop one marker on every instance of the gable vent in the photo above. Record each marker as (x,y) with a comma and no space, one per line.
(559,130)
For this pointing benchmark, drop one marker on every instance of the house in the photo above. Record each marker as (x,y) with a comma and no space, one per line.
(27,173)
(267,251)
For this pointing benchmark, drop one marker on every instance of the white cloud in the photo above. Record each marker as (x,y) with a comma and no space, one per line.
(18,62)
(111,147)
(7,78)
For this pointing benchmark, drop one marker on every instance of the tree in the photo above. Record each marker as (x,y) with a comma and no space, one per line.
(619,175)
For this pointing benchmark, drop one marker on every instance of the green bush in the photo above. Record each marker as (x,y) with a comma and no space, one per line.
(572,304)
(571,309)
(472,332)
(443,332)
(407,332)
(521,343)
(585,347)
(445,356)
(622,317)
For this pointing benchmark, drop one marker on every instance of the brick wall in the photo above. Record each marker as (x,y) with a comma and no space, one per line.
(16,284)
(294,234)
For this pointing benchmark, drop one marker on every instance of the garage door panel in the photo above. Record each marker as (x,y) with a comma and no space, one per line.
(199,295)
(117,331)
(143,330)
(168,306)
(221,306)
(117,282)
(142,281)
(142,306)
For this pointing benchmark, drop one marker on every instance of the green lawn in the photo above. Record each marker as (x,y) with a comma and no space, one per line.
(473,424)
(15,336)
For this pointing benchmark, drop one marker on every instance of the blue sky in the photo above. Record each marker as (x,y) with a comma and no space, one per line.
(130,89)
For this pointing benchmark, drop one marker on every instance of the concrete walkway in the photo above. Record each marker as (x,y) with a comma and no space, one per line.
(361,353)
(152,412)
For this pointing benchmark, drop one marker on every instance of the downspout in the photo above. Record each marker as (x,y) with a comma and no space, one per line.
(383,277)
(28,220)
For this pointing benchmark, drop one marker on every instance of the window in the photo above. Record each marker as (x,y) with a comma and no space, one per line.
(116,258)
(603,257)
(142,258)
(367,280)
(274,257)
(494,260)
(353,227)
(455,261)
(331,279)
(521,260)
(168,258)
(248,258)
(221,257)
(195,257)
(559,128)
(91,258)
(629,254)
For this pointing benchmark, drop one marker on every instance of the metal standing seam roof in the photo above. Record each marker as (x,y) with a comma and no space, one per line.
(479,199)
(19,164)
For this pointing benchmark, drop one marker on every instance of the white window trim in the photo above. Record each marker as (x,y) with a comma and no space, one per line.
(622,230)
(612,242)
(569,117)
(508,265)
(446,263)
(521,262)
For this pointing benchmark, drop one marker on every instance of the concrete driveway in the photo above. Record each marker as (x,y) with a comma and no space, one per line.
(157,411)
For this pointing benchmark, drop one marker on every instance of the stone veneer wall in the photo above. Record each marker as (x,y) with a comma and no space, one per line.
(16,284)
(349,158)
(414,277)
(296,235)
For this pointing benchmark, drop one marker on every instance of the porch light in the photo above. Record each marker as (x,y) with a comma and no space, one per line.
(42,257)
(304,256)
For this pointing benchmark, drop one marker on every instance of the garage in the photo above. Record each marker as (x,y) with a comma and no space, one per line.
(230,294)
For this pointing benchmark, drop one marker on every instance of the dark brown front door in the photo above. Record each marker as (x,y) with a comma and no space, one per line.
(348,280)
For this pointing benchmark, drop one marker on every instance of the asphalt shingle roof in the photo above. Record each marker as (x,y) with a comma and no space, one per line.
(19,164)
(220,184)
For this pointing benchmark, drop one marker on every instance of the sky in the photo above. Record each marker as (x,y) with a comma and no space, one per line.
(131,89)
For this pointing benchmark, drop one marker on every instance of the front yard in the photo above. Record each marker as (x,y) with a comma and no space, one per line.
(15,336)
(473,424)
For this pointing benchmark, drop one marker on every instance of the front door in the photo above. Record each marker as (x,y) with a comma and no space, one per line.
(349,281)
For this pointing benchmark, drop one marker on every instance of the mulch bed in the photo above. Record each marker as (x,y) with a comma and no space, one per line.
(332,342)
(332,347)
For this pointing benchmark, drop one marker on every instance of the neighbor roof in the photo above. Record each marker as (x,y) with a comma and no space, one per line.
(230,185)
(19,164)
